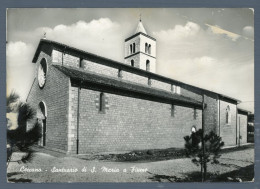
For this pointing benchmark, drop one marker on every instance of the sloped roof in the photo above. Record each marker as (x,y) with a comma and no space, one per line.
(115,64)
(140,28)
(84,79)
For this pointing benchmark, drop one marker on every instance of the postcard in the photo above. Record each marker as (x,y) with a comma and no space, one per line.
(130,95)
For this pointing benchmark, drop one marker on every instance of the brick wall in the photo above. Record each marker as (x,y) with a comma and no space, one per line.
(55,96)
(65,59)
(211,113)
(135,78)
(136,60)
(228,131)
(242,128)
(95,67)
(99,68)
(130,124)
(161,85)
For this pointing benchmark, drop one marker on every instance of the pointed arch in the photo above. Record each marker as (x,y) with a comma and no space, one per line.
(131,49)
(228,115)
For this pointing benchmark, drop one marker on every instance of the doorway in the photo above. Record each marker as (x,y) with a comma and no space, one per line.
(42,119)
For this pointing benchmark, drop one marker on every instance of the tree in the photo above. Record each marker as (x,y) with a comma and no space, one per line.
(194,149)
(19,138)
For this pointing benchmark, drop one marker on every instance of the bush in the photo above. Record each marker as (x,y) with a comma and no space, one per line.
(194,149)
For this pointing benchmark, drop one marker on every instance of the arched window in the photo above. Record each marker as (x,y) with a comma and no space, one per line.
(120,75)
(173,110)
(131,49)
(149,81)
(148,65)
(149,49)
(146,47)
(41,118)
(102,102)
(228,115)
(134,48)
(132,63)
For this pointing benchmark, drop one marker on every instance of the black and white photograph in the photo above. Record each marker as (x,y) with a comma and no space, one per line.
(129,95)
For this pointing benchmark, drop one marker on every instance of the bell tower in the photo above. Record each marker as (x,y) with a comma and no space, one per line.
(140,49)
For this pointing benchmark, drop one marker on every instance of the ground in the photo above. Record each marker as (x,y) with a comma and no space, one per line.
(235,165)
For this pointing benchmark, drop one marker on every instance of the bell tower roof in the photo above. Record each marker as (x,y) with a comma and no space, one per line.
(140,27)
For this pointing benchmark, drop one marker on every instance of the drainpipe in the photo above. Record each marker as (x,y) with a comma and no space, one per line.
(218,116)
(203,142)
(62,54)
(237,136)
(78,109)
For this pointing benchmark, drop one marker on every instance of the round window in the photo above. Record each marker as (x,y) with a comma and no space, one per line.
(42,72)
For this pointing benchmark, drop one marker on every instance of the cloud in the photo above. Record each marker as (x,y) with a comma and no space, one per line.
(220,61)
(178,32)
(248,31)
(96,36)
(20,70)
(19,53)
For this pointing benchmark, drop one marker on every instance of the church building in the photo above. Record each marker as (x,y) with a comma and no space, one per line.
(90,104)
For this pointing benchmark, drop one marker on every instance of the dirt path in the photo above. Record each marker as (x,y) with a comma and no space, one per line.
(104,171)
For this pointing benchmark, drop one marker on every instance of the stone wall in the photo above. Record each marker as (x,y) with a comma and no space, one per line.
(55,95)
(130,123)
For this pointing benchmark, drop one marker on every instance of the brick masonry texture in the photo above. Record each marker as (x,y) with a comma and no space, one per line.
(211,113)
(242,129)
(98,68)
(55,95)
(109,71)
(131,124)
(228,131)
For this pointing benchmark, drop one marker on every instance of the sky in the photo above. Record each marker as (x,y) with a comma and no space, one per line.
(212,48)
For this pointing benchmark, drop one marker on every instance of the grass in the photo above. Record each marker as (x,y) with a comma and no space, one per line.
(244,174)
(153,154)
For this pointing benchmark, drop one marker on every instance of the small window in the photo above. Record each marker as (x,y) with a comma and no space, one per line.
(148,65)
(132,63)
(102,102)
(81,62)
(149,49)
(178,89)
(120,73)
(173,88)
(134,48)
(228,115)
(195,113)
(173,110)
(146,47)
(149,82)
(131,49)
